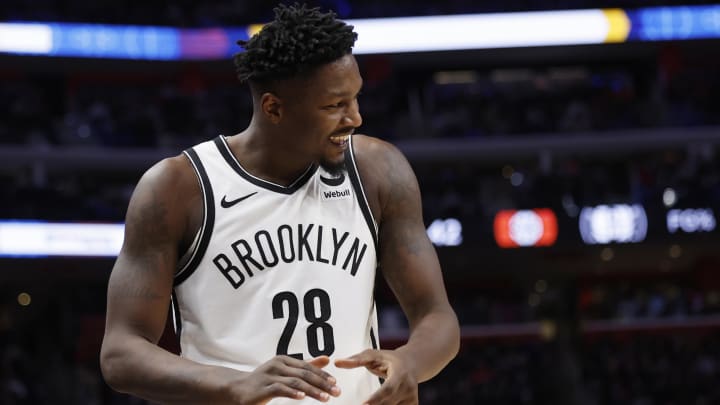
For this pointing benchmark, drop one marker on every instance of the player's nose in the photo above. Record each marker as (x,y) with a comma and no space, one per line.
(353,116)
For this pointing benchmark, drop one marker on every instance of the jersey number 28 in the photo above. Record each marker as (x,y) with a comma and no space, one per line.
(317,316)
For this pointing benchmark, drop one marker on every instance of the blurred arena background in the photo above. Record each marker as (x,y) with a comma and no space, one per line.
(572,188)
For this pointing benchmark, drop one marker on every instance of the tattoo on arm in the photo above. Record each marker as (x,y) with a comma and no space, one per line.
(149,225)
(403,209)
(147,250)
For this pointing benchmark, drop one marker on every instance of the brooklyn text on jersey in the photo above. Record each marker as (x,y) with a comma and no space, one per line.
(303,242)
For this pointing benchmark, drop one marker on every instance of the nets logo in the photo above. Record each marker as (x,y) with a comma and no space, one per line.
(519,228)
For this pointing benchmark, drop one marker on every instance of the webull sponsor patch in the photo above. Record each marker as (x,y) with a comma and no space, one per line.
(335,194)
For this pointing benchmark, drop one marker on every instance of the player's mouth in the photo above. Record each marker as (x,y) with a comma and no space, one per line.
(340,140)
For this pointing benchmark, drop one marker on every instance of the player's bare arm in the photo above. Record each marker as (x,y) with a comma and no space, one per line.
(410,266)
(162,217)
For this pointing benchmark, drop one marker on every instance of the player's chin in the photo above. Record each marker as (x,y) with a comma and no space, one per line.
(333,164)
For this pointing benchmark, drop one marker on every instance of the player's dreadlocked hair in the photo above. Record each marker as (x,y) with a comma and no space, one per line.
(298,40)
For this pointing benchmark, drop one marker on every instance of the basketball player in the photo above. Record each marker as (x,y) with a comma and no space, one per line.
(266,244)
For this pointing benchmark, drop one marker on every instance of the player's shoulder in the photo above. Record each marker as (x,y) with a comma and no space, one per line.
(172,175)
(383,169)
(376,152)
(370,145)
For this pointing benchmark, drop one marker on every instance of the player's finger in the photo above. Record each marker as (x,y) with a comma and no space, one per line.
(301,385)
(381,396)
(320,362)
(372,362)
(357,360)
(309,366)
(278,389)
(319,382)
(348,363)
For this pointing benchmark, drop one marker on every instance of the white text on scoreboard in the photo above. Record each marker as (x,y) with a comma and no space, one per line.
(445,232)
(691,220)
(618,223)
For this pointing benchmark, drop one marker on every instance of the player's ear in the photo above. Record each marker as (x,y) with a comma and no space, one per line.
(271,106)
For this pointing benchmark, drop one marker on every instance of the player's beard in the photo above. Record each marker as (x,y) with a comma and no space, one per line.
(334,168)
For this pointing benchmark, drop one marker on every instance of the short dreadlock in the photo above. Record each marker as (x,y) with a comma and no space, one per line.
(298,40)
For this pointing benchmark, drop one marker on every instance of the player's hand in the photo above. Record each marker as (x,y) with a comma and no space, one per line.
(285,376)
(400,386)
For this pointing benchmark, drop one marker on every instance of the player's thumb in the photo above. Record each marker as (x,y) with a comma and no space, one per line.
(321,361)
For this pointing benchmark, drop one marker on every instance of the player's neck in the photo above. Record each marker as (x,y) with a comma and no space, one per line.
(263,158)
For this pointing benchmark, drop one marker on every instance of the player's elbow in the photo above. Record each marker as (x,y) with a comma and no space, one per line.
(453,328)
(113,367)
(457,337)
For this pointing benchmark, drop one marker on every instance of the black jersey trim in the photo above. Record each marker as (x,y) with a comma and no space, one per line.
(373,341)
(224,149)
(208,218)
(177,320)
(354,175)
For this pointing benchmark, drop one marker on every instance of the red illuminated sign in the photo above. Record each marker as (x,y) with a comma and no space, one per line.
(518,228)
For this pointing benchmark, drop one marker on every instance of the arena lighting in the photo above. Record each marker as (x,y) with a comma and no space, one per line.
(26,38)
(484,31)
(675,23)
(691,220)
(445,232)
(520,228)
(33,239)
(620,223)
(381,35)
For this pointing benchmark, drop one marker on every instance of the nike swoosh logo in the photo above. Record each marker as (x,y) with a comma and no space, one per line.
(227,204)
(335,181)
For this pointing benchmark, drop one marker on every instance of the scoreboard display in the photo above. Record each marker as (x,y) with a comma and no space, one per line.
(602,224)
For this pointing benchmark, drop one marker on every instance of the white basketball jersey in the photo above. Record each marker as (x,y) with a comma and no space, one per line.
(279,270)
